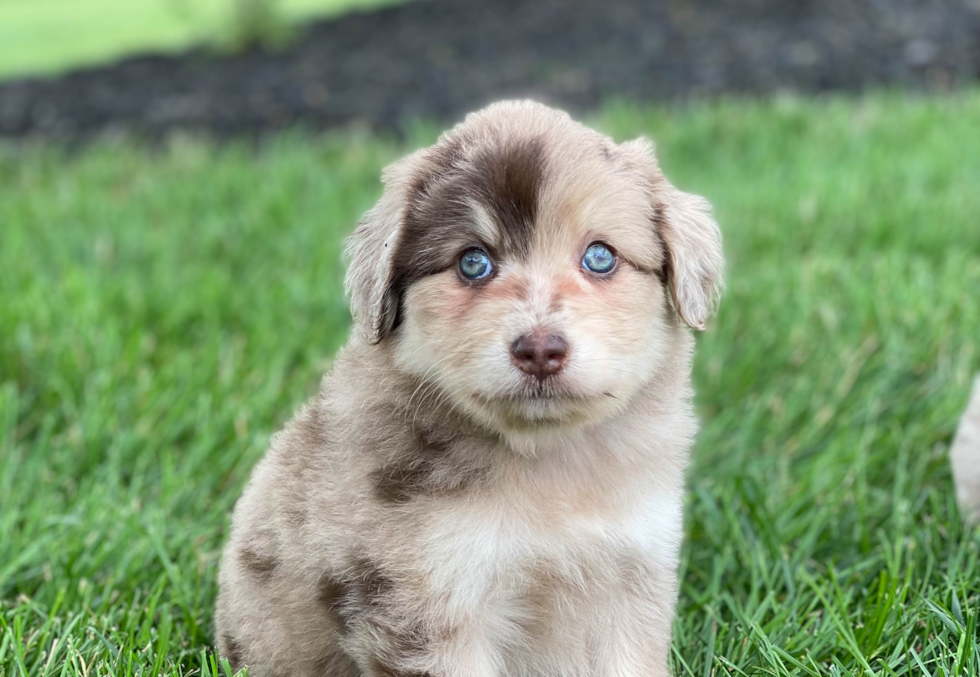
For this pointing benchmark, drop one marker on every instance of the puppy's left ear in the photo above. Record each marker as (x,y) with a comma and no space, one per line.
(371,249)
(695,263)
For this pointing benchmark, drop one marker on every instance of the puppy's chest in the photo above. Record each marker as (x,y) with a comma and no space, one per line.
(504,546)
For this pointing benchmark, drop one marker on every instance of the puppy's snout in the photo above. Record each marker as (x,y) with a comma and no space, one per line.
(539,354)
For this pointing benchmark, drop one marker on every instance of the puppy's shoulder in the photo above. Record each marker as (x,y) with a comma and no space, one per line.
(319,455)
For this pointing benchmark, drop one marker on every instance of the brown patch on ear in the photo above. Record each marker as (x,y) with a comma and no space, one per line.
(430,220)
(260,566)
(389,314)
(231,650)
(504,179)
(666,273)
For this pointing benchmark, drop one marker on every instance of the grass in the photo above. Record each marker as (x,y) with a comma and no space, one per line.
(49,36)
(163,312)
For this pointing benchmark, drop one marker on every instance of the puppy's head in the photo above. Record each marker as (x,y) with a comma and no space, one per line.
(530,271)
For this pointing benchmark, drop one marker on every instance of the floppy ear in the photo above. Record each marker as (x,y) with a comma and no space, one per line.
(695,263)
(370,254)
(376,274)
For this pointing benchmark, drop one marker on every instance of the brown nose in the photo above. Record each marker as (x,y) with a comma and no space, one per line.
(539,354)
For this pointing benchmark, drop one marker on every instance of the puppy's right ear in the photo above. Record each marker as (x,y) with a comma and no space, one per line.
(370,282)
(690,236)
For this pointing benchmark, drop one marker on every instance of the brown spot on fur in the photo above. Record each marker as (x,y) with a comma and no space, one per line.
(403,481)
(260,566)
(381,668)
(232,650)
(373,585)
(363,596)
(336,663)
(508,180)
(335,595)
(440,160)
(404,647)
(309,432)
(542,600)
(423,470)
(330,591)
(546,588)
(360,594)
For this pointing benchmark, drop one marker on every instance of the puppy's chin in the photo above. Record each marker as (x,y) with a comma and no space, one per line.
(537,410)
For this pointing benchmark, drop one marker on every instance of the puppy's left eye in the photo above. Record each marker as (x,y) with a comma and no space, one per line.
(474,264)
(598,258)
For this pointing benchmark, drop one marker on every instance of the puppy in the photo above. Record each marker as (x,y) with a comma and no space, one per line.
(965,456)
(490,479)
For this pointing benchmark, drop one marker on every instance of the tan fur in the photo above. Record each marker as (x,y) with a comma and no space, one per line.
(436,511)
(965,456)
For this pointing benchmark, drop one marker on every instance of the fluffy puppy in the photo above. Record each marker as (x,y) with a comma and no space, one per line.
(490,479)
(965,456)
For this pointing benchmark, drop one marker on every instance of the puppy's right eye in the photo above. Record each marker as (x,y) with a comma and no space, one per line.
(474,264)
(599,259)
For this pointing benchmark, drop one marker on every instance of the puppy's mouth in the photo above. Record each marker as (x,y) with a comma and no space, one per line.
(536,403)
(530,389)
(533,389)
(537,393)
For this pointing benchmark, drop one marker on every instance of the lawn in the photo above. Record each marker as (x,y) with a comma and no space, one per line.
(47,36)
(162,312)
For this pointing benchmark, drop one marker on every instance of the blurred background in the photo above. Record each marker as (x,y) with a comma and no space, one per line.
(233,66)
(176,181)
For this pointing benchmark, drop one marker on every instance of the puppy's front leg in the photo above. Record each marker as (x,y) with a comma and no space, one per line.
(467,653)
(633,636)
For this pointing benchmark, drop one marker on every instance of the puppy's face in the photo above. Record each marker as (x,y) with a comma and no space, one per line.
(531,272)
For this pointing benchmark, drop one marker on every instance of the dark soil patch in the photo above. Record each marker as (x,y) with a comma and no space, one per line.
(441,58)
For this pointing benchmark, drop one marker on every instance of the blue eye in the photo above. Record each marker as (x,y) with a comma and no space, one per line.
(598,258)
(474,264)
